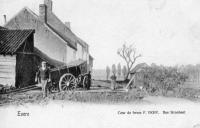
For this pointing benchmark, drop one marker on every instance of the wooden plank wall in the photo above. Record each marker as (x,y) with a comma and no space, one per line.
(7,70)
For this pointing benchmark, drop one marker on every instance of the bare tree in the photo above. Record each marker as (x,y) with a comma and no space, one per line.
(114,70)
(119,70)
(107,72)
(128,53)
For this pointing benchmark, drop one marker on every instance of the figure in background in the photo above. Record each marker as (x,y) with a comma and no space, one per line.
(89,81)
(113,82)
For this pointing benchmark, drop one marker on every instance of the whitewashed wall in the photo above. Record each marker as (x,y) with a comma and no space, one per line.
(82,53)
(79,54)
(7,70)
(71,54)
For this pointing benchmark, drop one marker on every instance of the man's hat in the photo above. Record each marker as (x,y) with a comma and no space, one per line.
(44,62)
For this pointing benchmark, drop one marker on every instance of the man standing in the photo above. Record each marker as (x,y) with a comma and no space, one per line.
(89,81)
(113,82)
(44,75)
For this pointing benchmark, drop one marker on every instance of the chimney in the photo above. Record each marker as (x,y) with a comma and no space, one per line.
(49,5)
(43,12)
(4,16)
(67,24)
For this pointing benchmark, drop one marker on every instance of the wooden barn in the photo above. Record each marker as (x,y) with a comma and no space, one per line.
(16,57)
(137,74)
(19,59)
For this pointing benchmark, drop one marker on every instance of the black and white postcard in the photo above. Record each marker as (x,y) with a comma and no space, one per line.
(100,63)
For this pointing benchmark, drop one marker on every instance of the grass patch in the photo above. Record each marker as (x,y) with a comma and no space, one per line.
(97,97)
(89,97)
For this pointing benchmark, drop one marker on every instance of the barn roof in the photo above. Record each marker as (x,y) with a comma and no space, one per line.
(11,40)
(68,36)
(2,27)
(138,68)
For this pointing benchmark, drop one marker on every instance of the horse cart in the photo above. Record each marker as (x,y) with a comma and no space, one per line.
(70,77)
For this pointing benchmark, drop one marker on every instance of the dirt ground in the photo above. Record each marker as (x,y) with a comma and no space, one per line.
(101,108)
(100,93)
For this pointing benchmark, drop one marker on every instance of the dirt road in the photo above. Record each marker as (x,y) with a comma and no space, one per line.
(64,114)
(167,100)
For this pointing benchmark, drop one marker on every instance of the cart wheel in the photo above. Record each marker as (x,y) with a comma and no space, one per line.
(67,82)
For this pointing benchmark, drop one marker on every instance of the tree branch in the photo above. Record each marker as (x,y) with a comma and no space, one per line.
(128,53)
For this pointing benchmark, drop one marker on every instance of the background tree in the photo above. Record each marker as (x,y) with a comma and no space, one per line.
(129,55)
(119,70)
(114,70)
(107,72)
(163,78)
(124,71)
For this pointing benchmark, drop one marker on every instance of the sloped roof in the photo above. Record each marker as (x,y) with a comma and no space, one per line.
(2,27)
(46,58)
(67,34)
(11,40)
(138,67)
(65,38)
(81,42)
(91,57)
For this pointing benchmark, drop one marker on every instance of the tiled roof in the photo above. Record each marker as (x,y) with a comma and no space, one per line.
(68,34)
(57,26)
(11,40)
(65,38)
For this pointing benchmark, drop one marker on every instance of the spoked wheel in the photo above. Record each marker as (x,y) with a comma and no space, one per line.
(67,82)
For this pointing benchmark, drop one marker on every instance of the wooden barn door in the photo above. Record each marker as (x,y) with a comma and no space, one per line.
(25,70)
(7,70)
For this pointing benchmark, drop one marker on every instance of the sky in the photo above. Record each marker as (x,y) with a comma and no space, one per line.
(165,32)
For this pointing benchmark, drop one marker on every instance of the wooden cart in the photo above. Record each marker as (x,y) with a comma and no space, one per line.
(69,77)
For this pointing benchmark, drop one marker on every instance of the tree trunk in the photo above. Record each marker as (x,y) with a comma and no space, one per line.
(126,77)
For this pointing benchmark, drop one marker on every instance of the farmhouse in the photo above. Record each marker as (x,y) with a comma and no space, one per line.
(53,37)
